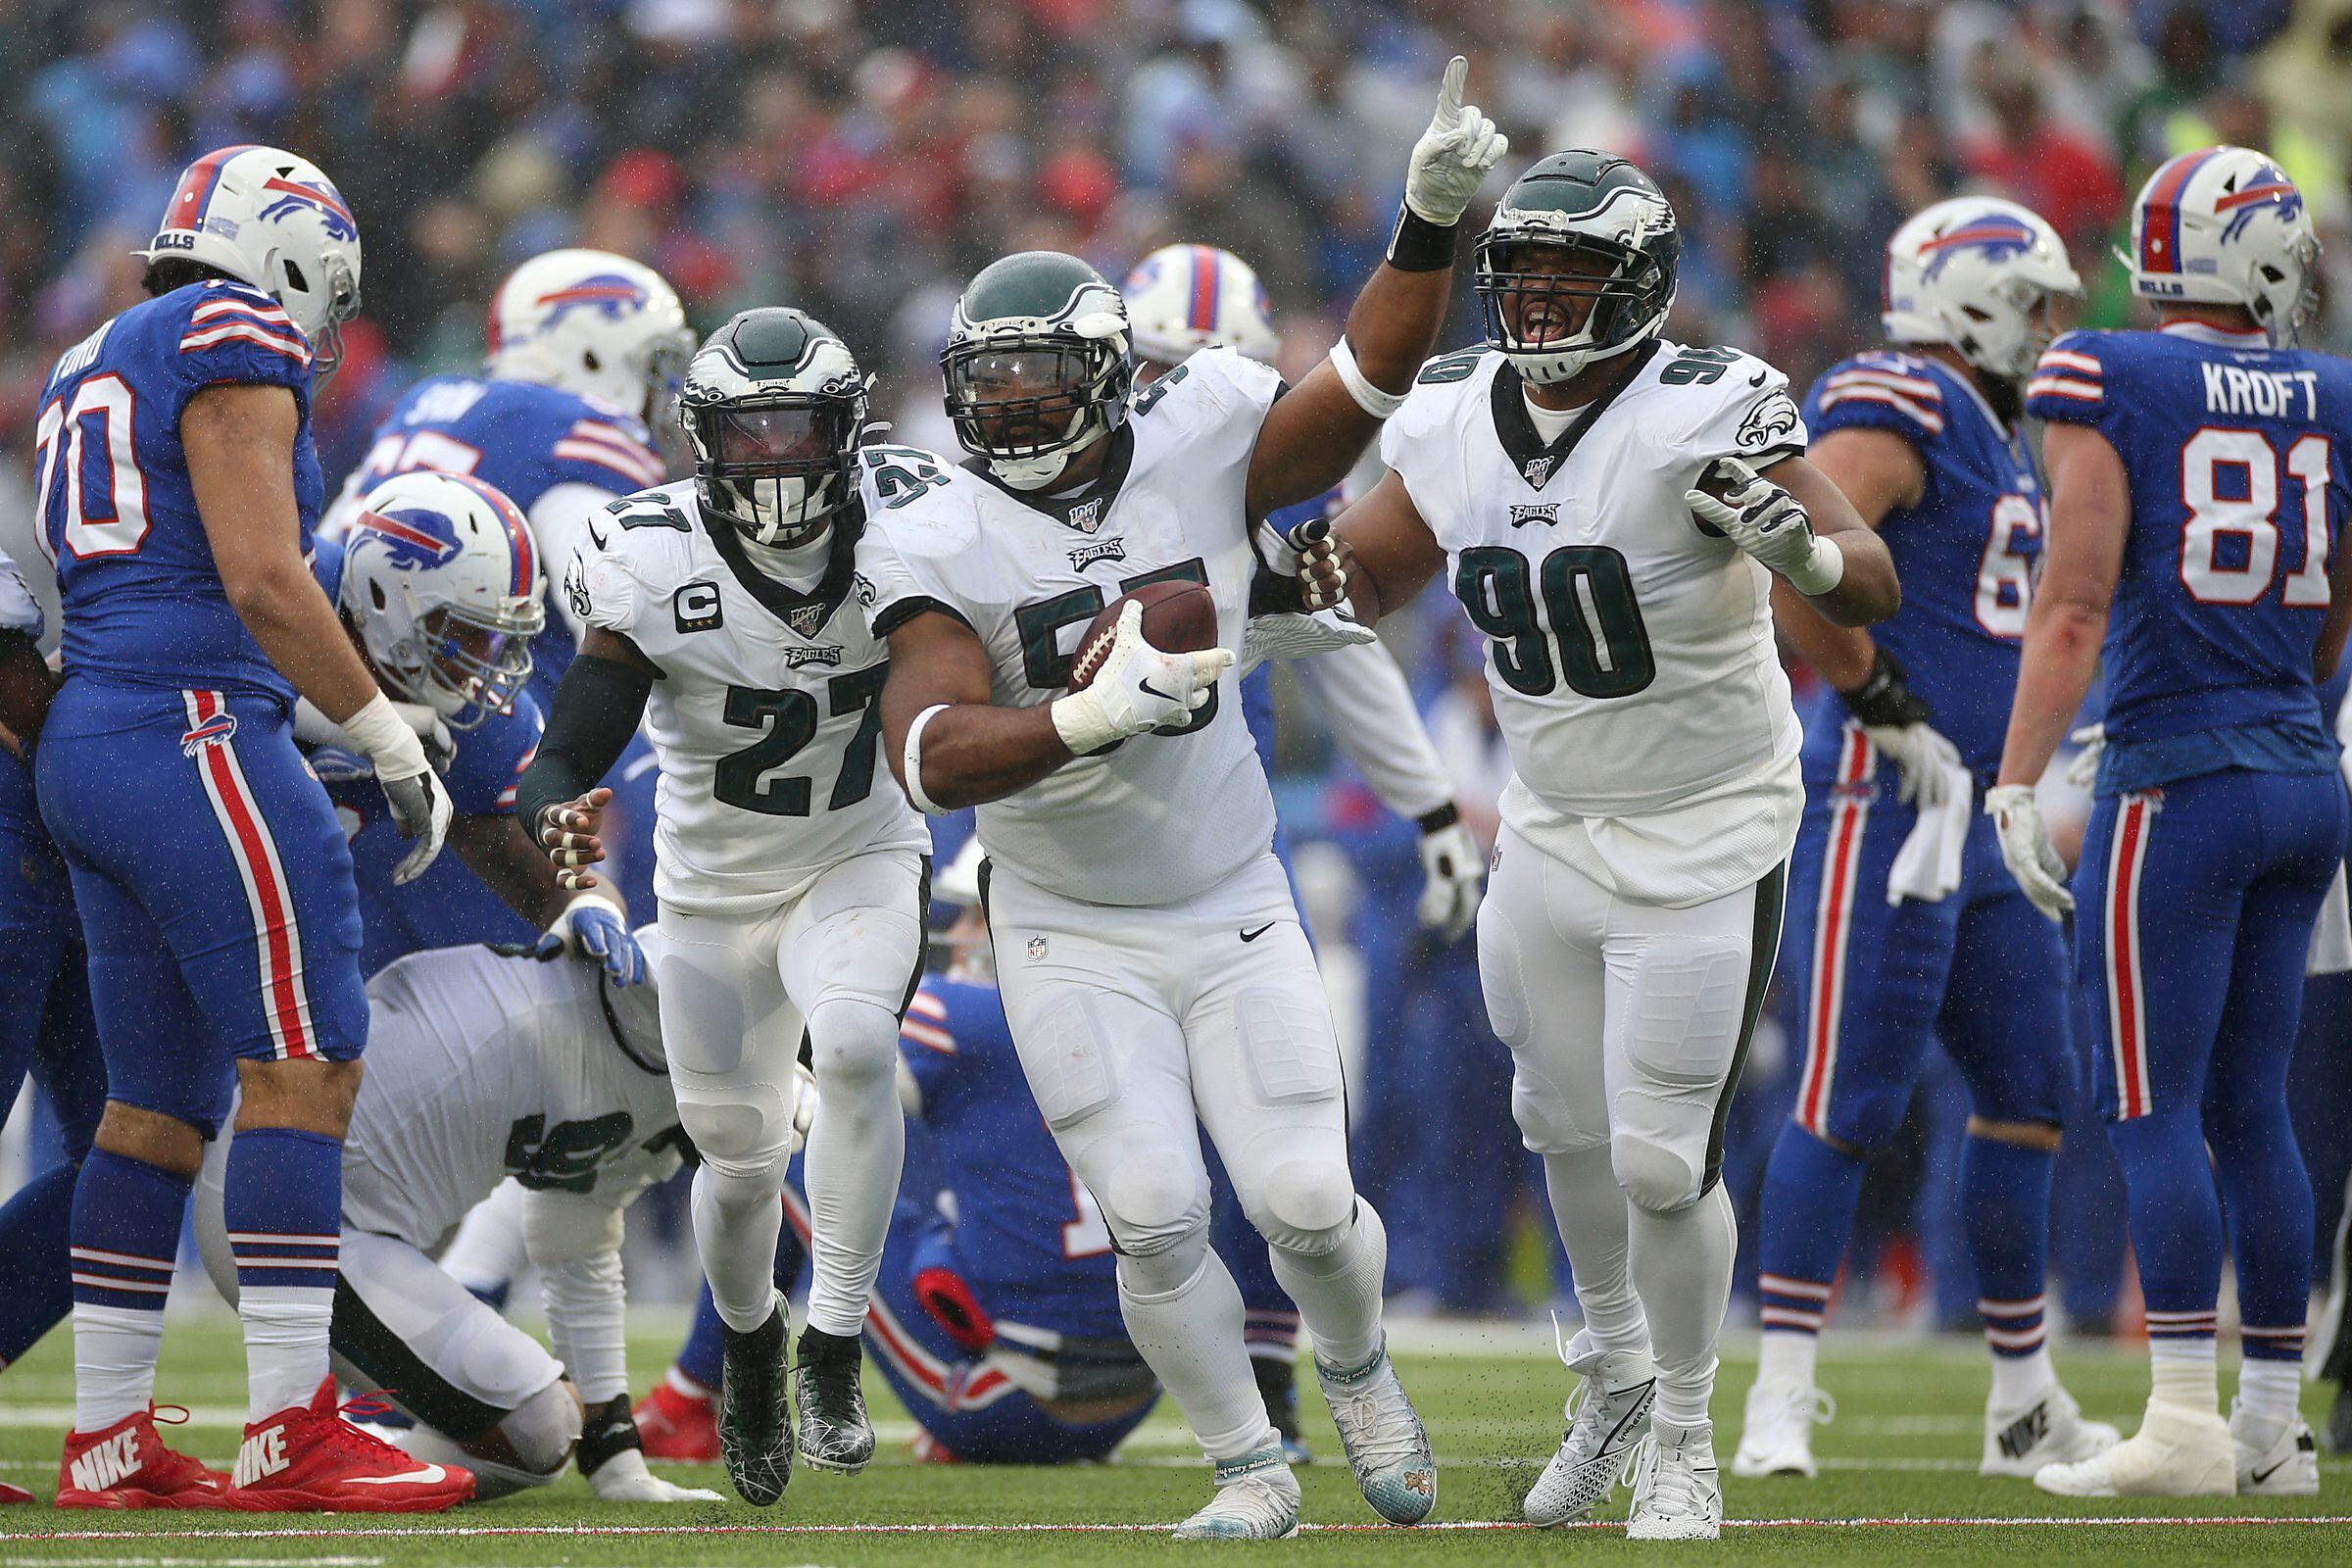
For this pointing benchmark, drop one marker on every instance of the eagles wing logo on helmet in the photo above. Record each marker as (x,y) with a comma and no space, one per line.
(1767,424)
(1997,234)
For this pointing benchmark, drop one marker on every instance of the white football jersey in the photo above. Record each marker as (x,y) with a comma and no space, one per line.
(1159,817)
(766,720)
(482,1066)
(1630,652)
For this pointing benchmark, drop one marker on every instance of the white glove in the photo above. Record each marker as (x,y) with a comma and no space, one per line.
(420,805)
(313,728)
(2026,847)
(2083,768)
(1454,155)
(1924,756)
(1453,874)
(1137,688)
(1768,522)
(623,1478)
(1287,636)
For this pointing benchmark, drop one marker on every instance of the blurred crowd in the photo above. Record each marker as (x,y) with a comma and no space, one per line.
(861,158)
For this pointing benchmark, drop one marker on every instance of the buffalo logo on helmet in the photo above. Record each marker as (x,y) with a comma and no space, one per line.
(2265,189)
(294,193)
(412,535)
(1998,235)
(607,293)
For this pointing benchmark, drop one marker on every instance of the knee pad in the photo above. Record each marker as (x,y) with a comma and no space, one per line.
(1166,1269)
(1155,1202)
(1305,1205)
(743,1131)
(544,1429)
(1654,1175)
(1680,1041)
(492,1477)
(853,1042)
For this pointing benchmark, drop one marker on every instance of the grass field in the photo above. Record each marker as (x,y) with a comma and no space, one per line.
(1899,1484)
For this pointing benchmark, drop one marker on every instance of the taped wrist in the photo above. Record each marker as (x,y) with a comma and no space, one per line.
(595,711)
(608,1430)
(1884,698)
(1417,245)
(1820,571)
(379,730)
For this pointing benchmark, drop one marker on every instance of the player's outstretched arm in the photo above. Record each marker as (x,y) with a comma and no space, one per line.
(597,706)
(1314,433)
(1384,553)
(1800,526)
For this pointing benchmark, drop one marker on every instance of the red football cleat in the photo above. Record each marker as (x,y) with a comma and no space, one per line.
(128,1466)
(677,1427)
(312,1460)
(10,1494)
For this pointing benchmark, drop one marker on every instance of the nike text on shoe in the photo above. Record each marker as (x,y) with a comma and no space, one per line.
(1677,1493)
(1776,1436)
(310,1459)
(677,1427)
(1608,1415)
(126,1466)
(1258,1500)
(754,1429)
(1385,1445)
(2177,1452)
(834,1433)
(2279,1463)
(2018,1441)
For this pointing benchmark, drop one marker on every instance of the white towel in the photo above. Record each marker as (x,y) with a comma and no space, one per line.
(2331,950)
(1928,865)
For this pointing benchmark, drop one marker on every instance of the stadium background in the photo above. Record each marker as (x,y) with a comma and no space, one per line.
(860,157)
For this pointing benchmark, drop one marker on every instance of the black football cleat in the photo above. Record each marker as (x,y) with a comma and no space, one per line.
(754,1429)
(835,1434)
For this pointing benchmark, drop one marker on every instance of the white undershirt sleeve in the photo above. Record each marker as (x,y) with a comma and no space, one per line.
(1369,710)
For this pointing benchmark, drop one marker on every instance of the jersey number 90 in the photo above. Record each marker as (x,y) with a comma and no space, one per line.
(1596,643)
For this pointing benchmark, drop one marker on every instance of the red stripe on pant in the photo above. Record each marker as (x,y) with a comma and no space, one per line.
(2127,998)
(275,927)
(1833,926)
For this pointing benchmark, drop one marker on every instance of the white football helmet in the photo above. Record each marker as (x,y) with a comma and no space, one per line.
(2224,226)
(1182,299)
(272,219)
(443,581)
(1973,274)
(592,324)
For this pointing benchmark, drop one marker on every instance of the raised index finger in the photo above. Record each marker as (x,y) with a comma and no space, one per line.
(1449,90)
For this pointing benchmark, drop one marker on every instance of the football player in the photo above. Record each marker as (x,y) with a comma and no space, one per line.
(1611,508)
(1182,299)
(2191,475)
(1918,932)
(484,1063)
(1158,979)
(584,354)
(178,488)
(439,582)
(791,878)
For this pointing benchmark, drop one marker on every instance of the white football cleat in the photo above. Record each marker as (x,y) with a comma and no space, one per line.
(1677,1492)
(1258,1500)
(1607,1416)
(2020,1440)
(1776,1436)
(1387,1446)
(2177,1452)
(2284,1466)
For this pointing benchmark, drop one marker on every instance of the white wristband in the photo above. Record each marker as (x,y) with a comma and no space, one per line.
(561,928)
(1369,398)
(1822,571)
(379,730)
(912,757)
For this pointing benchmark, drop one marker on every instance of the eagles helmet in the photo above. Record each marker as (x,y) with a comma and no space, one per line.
(2224,226)
(1973,273)
(773,405)
(1036,364)
(1598,211)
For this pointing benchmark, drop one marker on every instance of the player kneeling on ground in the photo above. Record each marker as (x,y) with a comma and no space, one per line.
(1611,510)
(484,1063)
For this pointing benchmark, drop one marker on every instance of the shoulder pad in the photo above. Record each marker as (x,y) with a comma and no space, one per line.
(1725,402)
(1896,391)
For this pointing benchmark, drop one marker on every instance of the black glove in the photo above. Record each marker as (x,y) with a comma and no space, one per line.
(1884,700)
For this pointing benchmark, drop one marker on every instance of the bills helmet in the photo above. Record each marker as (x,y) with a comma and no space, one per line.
(2224,226)
(443,581)
(1612,241)
(1182,299)
(273,220)
(1037,366)
(774,404)
(1973,273)
(592,324)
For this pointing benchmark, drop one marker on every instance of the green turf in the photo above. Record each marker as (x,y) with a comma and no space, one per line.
(1903,1447)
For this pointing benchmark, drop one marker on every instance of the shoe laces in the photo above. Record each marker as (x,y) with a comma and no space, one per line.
(1649,1475)
(1378,1420)
(1800,1404)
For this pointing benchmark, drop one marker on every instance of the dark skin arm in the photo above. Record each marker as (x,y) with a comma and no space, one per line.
(574,826)
(1877,471)
(975,750)
(497,848)
(1869,591)
(27,683)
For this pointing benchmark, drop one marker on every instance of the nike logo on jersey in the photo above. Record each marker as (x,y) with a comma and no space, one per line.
(1756,379)
(1252,936)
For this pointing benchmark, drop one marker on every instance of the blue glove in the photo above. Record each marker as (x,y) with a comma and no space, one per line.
(593,928)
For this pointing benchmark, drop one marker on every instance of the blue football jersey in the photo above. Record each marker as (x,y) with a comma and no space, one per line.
(448,906)
(142,597)
(1028,1236)
(523,439)
(2235,454)
(1965,554)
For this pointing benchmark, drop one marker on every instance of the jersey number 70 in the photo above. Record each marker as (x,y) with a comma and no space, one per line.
(94,523)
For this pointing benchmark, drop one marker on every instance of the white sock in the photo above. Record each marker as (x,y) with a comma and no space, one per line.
(286,1331)
(2271,1392)
(114,1362)
(1682,1268)
(2182,1372)
(1589,1210)
(1191,1337)
(735,1227)
(686,1386)
(1337,1293)
(856,1151)
(2020,1380)
(1788,1356)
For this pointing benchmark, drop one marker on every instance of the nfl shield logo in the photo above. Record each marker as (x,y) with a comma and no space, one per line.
(806,619)
(1538,469)
(1087,515)
(1037,950)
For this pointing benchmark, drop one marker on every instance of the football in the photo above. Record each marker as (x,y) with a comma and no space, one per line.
(1179,617)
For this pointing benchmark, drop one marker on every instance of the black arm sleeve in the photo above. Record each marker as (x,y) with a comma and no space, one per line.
(597,708)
